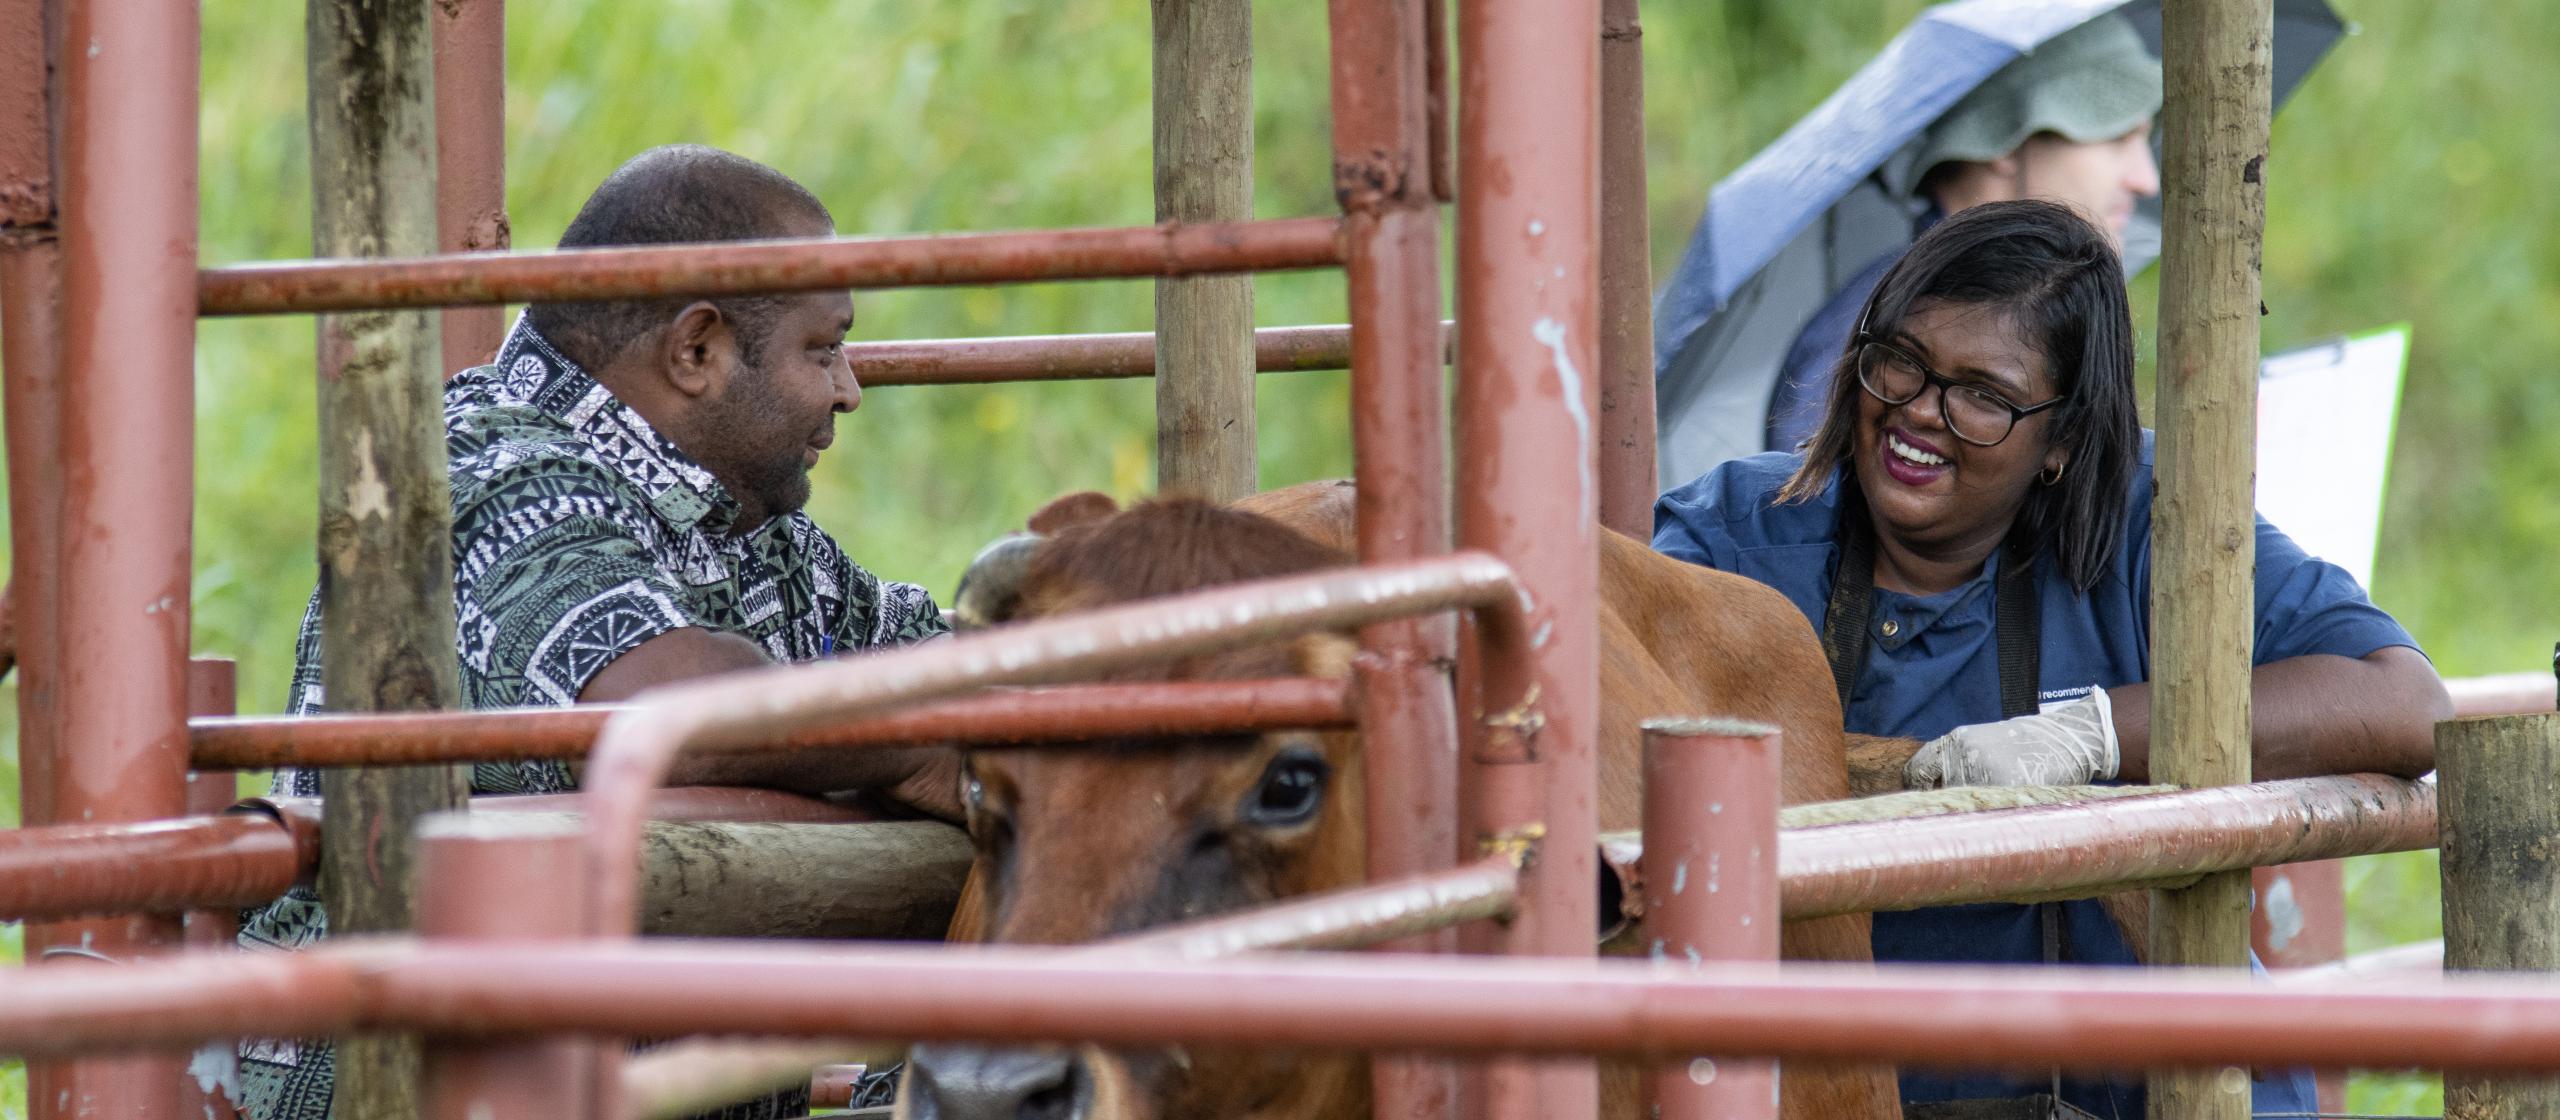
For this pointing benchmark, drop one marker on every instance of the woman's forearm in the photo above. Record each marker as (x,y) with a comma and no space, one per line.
(2318,715)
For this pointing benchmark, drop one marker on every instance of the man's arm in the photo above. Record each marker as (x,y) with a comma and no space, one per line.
(2318,714)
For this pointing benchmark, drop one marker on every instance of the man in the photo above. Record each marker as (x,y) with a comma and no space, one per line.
(627,483)
(2068,123)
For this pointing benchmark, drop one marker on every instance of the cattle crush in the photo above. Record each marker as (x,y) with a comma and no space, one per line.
(1480,819)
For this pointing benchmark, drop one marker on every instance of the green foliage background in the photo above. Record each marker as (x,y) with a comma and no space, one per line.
(2409,180)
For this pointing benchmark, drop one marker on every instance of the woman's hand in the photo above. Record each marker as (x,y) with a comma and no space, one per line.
(2067,744)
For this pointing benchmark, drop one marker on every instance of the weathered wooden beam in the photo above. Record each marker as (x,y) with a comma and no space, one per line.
(386,574)
(1204,172)
(2498,818)
(2214,124)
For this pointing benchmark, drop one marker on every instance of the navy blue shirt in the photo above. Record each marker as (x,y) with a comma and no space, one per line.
(1935,669)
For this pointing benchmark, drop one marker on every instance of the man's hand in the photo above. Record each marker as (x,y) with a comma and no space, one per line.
(2067,744)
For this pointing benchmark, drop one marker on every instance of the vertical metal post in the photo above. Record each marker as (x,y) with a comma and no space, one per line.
(31,357)
(1204,172)
(1399,423)
(2214,125)
(386,573)
(2498,784)
(211,1087)
(1528,355)
(1710,875)
(499,876)
(127,461)
(1626,281)
(471,160)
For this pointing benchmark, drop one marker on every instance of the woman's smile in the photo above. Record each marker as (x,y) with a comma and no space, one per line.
(1912,460)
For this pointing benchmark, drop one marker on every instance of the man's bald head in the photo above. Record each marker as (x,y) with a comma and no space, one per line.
(675,194)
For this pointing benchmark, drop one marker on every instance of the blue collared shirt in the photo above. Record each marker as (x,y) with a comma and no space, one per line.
(1932,667)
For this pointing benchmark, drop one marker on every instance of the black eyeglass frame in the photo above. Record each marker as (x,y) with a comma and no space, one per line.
(1931,378)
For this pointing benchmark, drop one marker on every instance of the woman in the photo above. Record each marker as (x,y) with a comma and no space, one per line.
(1970,531)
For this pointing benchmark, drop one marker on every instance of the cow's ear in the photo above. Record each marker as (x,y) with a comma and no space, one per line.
(1066,512)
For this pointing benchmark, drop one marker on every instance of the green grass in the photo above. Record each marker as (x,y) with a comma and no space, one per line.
(2408,181)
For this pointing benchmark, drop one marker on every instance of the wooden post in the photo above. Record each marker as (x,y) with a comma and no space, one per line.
(2498,813)
(386,533)
(1627,481)
(1204,172)
(2214,123)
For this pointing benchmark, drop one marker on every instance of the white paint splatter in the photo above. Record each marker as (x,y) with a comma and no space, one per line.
(216,1067)
(1680,878)
(1550,334)
(1702,1071)
(1536,227)
(2284,914)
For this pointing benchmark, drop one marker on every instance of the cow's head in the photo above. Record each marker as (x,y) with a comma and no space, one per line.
(1084,843)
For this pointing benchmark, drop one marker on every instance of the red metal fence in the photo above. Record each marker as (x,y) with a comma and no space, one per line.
(101,288)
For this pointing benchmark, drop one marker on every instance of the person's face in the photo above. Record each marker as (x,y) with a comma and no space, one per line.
(1927,489)
(2102,179)
(774,417)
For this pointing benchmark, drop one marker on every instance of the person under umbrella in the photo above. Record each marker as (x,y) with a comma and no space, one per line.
(1969,529)
(2069,122)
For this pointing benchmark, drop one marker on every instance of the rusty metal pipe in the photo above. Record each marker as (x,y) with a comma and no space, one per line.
(1073,357)
(639,744)
(1711,890)
(1625,453)
(1030,715)
(2098,847)
(2084,1018)
(2506,694)
(127,478)
(470,43)
(1383,175)
(1527,402)
(1355,918)
(760,267)
(485,878)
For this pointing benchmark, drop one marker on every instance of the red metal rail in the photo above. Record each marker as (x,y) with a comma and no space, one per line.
(1070,357)
(753,267)
(2084,1018)
(1032,715)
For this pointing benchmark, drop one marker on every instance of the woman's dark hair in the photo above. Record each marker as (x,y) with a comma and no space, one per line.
(2060,281)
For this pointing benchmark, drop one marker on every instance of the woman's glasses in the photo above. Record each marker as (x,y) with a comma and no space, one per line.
(1976,415)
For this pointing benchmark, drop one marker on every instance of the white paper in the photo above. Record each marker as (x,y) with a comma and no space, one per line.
(2325,416)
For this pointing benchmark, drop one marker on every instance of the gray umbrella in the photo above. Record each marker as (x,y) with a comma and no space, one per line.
(1785,231)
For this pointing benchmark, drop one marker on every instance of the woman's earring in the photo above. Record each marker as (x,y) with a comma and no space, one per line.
(2053,477)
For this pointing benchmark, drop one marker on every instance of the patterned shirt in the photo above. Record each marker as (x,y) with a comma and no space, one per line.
(579,532)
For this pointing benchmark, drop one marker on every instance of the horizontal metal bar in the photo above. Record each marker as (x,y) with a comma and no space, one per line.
(2085,849)
(1019,716)
(1355,918)
(2030,1016)
(1070,357)
(755,267)
(2506,694)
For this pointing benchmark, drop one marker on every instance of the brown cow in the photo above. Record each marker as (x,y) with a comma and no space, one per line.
(1081,845)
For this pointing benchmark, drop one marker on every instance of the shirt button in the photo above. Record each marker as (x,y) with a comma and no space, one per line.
(1891,628)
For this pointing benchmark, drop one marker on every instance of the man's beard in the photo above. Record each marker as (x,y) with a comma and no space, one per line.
(769,471)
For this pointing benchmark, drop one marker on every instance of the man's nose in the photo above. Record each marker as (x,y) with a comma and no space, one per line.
(2142,173)
(847,390)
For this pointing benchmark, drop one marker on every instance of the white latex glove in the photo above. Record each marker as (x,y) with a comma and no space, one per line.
(2068,743)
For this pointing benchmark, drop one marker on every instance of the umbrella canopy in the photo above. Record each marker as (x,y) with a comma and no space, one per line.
(1794,224)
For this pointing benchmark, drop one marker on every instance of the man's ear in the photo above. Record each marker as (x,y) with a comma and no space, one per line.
(698,350)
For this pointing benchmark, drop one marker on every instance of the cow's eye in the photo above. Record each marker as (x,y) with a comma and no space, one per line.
(1291,789)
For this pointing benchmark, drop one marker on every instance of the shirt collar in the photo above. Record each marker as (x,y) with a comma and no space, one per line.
(531,372)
